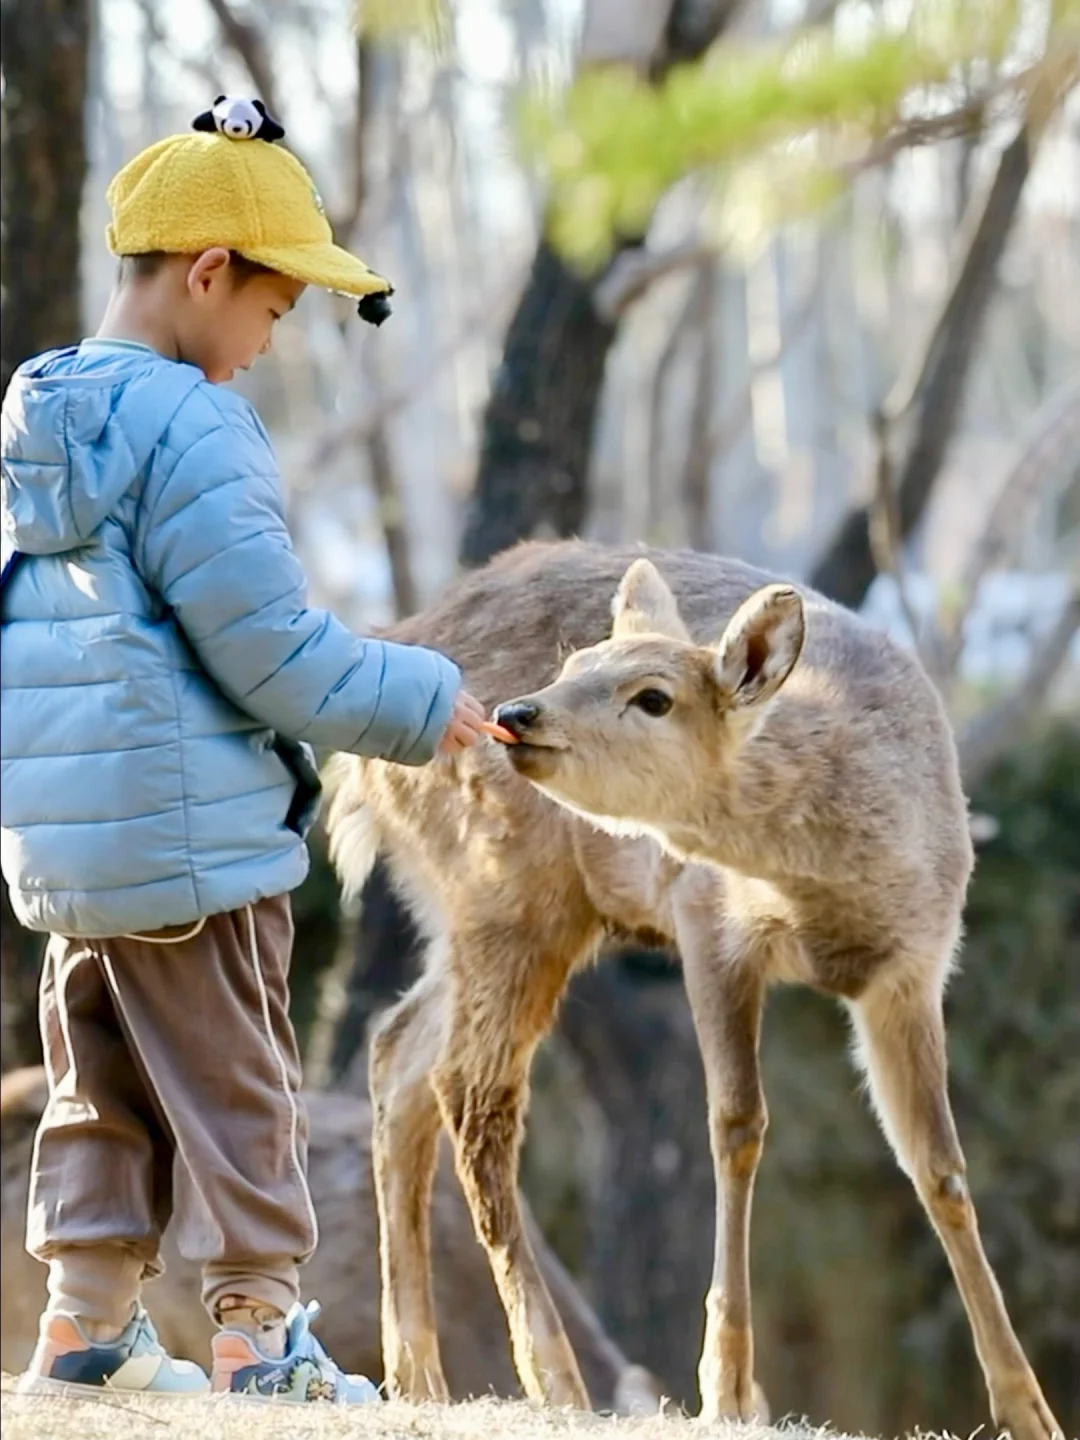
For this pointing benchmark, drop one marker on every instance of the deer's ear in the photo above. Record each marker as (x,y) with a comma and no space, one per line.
(761,644)
(644,605)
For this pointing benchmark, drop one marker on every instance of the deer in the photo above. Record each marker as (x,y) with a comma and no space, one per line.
(699,754)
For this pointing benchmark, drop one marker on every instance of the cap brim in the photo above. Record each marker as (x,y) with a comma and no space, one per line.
(325,265)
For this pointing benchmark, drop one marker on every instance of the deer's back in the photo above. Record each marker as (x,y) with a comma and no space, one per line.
(510,625)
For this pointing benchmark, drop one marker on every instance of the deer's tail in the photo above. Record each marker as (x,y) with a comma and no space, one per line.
(350,824)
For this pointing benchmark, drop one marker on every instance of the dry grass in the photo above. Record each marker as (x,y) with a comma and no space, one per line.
(115,1418)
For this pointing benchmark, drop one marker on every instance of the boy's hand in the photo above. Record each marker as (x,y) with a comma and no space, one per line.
(464,728)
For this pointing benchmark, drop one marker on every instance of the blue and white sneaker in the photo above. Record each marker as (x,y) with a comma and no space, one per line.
(304,1373)
(67,1362)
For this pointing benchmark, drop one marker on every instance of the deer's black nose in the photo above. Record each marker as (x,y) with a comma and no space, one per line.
(516,716)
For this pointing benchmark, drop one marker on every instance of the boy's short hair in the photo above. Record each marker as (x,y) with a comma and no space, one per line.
(147,265)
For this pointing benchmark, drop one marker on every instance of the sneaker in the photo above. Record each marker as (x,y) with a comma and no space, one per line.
(67,1362)
(305,1372)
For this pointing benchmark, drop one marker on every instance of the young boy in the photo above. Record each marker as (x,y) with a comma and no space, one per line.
(162,677)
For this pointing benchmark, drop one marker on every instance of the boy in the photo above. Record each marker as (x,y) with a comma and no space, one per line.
(162,675)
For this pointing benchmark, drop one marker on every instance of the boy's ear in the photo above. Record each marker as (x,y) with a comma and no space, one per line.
(205,268)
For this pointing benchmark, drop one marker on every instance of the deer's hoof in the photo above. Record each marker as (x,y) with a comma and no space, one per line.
(1026,1416)
(730,1407)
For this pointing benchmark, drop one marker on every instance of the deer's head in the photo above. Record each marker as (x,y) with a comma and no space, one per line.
(633,727)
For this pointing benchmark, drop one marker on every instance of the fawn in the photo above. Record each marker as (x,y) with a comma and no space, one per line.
(739,767)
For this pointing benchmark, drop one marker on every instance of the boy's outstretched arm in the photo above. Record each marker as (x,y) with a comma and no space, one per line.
(213,542)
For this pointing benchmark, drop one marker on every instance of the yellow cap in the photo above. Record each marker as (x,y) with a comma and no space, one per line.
(191,192)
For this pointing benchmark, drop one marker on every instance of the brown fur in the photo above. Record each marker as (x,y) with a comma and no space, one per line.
(796,815)
(343,1274)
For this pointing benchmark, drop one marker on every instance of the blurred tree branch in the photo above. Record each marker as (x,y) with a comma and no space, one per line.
(724,429)
(632,272)
(377,442)
(538,423)
(247,40)
(1052,436)
(727,429)
(969,119)
(387,487)
(915,423)
(699,455)
(883,528)
(245,37)
(844,104)
(362,116)
(997,729)
(392,401)
(201,69)
(672,348)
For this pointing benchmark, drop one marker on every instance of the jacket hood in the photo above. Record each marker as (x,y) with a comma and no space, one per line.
(78,427)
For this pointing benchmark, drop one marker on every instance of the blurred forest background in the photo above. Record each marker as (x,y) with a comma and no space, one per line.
(741,277)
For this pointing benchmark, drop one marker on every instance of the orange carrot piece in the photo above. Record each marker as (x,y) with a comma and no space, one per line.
(499,732)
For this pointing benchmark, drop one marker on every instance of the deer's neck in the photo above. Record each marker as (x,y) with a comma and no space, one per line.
(770,815)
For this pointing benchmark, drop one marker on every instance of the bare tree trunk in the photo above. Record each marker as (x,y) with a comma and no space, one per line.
(650,1241)
(539,421)
(699,456)
(44,47)
(43,52)
(916,426)
(246,38)
(387,487)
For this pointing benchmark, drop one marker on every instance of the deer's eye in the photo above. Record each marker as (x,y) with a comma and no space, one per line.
(653,702)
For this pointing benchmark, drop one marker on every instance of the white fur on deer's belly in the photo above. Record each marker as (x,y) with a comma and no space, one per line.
(611,824)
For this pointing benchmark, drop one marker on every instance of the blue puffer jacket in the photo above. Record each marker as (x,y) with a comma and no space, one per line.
(160,662)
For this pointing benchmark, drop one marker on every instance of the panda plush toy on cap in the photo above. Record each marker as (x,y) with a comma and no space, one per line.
(239,119)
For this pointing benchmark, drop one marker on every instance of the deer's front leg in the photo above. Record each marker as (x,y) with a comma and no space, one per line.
(726,991)
(504,1003)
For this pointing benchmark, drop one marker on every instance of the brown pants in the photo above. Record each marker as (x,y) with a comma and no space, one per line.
(173,1073)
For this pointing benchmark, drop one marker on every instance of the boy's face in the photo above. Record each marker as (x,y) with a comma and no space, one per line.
(229,319)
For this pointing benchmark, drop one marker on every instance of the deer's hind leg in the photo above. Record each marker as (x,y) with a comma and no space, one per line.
(901,1032)
(405,1135)
(507,984)
(725,971)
